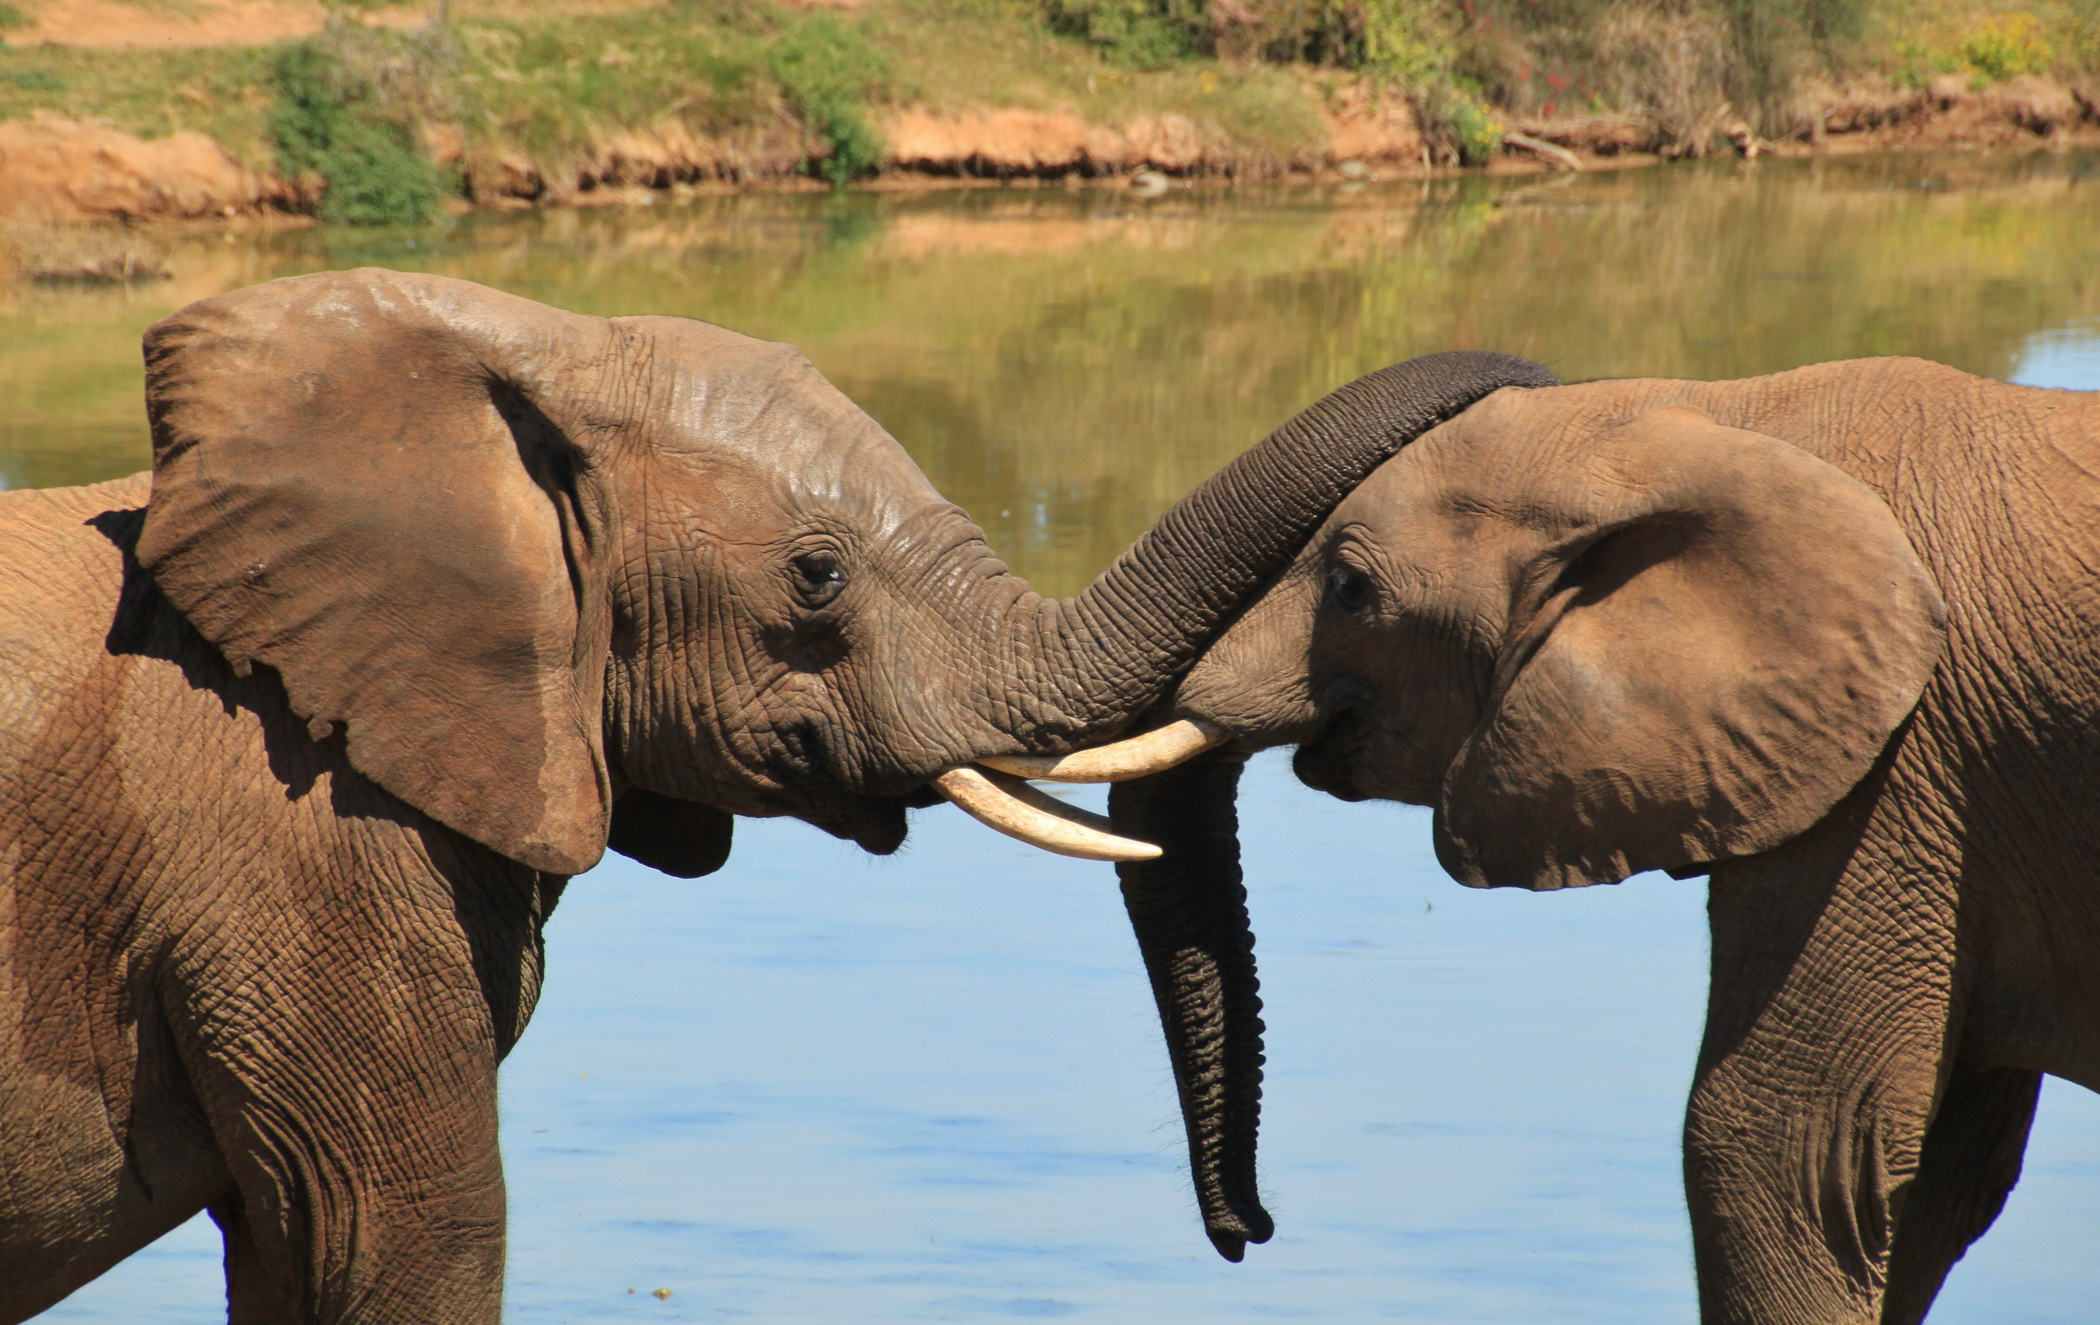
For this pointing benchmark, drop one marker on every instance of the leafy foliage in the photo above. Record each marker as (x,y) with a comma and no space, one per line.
(827,71)
(1459,128)
(2006,47)
(326,121)
(1139,34)
(12,17)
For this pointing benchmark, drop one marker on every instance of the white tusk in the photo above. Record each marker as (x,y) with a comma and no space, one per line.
(1119,761)
(1010,806)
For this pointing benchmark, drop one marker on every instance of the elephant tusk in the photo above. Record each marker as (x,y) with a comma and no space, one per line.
(1119,761)
(1010,806)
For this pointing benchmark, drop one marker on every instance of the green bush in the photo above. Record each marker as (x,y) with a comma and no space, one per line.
(1456,124)
(828,72)
(1409,40)
(2006,47)
(325,120)
(1140,34)
(11,17)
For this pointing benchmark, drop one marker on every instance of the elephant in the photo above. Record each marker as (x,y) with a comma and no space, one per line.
(432,594)
(1828,637)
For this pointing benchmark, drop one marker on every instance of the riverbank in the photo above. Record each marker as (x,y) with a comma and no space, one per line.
(226,109)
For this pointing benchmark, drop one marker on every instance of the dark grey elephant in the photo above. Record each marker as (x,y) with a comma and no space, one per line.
(1831,637)
(433,594)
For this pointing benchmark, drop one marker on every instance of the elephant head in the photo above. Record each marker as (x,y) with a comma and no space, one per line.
(562,580)
(1596,627)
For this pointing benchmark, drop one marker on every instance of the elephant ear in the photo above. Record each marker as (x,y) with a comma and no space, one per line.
(381,485)
(1713,649)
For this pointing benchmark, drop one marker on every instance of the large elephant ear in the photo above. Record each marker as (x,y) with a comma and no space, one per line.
(1717,642)
(380,485)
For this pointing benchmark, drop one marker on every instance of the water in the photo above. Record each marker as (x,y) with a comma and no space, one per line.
(818,1087)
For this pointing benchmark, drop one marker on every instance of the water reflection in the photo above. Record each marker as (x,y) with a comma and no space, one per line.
(1066,365)
(819,1087)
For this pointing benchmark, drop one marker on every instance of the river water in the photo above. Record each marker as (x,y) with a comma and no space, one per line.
(820,1087)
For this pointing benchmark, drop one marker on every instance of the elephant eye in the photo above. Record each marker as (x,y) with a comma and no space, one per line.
(1348,589)
(818,577)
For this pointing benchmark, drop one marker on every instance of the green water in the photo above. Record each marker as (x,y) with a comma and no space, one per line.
(1066,364)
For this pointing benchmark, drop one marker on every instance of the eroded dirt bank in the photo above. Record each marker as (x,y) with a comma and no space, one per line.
(55,170)
(61,166)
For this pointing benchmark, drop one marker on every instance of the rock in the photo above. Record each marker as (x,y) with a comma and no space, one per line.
(1149,183)
(1354,169)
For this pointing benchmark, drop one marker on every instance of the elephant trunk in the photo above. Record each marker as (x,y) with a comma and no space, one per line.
(1189,911)
(1082,666)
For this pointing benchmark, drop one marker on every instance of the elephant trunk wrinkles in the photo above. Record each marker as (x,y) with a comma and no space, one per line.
(1189,911)
(1086,663)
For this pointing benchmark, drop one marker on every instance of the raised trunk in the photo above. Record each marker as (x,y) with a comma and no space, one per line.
(1190,915)
(1081,667)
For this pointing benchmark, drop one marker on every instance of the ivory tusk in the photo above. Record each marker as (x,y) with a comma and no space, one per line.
(1119,761)
(1010,806)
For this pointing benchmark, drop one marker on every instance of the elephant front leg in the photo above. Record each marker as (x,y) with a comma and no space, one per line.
(375,1248)
(1970,1162)
(351,1088)
(368,1192)
(1828,1021)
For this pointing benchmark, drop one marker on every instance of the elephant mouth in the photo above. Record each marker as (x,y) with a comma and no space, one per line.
(993,790)
(1326,761)
(877,825)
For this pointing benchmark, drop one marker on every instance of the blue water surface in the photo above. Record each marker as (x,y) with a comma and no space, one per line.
(820,1087)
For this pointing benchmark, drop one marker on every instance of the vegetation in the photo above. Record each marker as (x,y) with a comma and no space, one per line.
(827,71)
(331,119)
(552,87)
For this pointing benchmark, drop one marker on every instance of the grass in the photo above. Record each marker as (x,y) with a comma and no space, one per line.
(767,90)
(220,92)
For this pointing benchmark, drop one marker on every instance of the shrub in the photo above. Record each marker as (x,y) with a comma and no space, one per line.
(1408,40)
(828,71)
(11,17)
(1141,34)
(1455,124)
(2005,47)
(326,120)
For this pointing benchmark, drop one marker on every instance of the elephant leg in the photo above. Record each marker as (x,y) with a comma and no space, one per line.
(347,1066)
(1833,980)
(368,1191)
(1969,1164)
(260,1288)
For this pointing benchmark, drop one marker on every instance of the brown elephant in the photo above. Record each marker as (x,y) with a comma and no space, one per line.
(434,594)
(1830,637)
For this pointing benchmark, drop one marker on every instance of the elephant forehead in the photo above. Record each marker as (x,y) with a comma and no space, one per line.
(1428,519)
(717,395)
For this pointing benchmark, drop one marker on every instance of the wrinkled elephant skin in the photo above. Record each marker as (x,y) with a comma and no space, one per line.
(433,594)
(1831,637)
